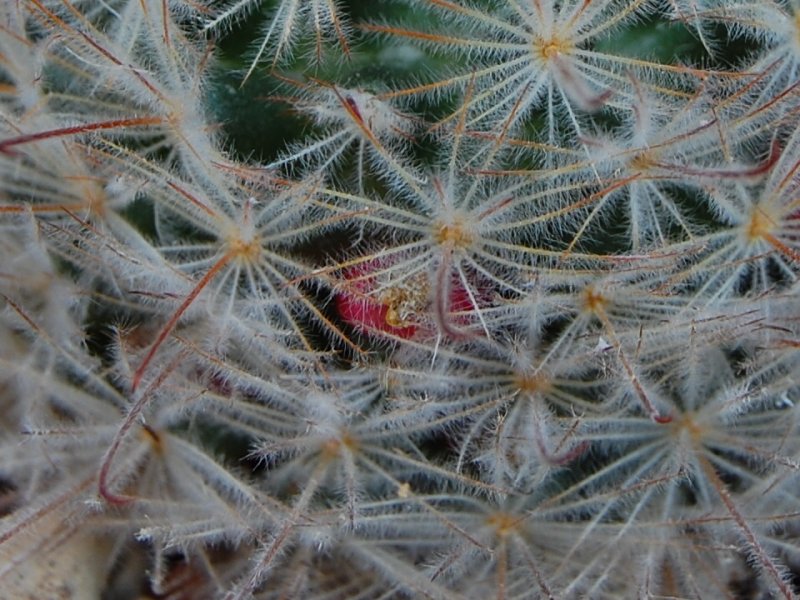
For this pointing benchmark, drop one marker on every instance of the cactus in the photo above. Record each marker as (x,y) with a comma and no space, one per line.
(408,298)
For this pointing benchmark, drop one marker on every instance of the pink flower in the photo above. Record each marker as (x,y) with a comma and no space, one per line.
(402,310)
